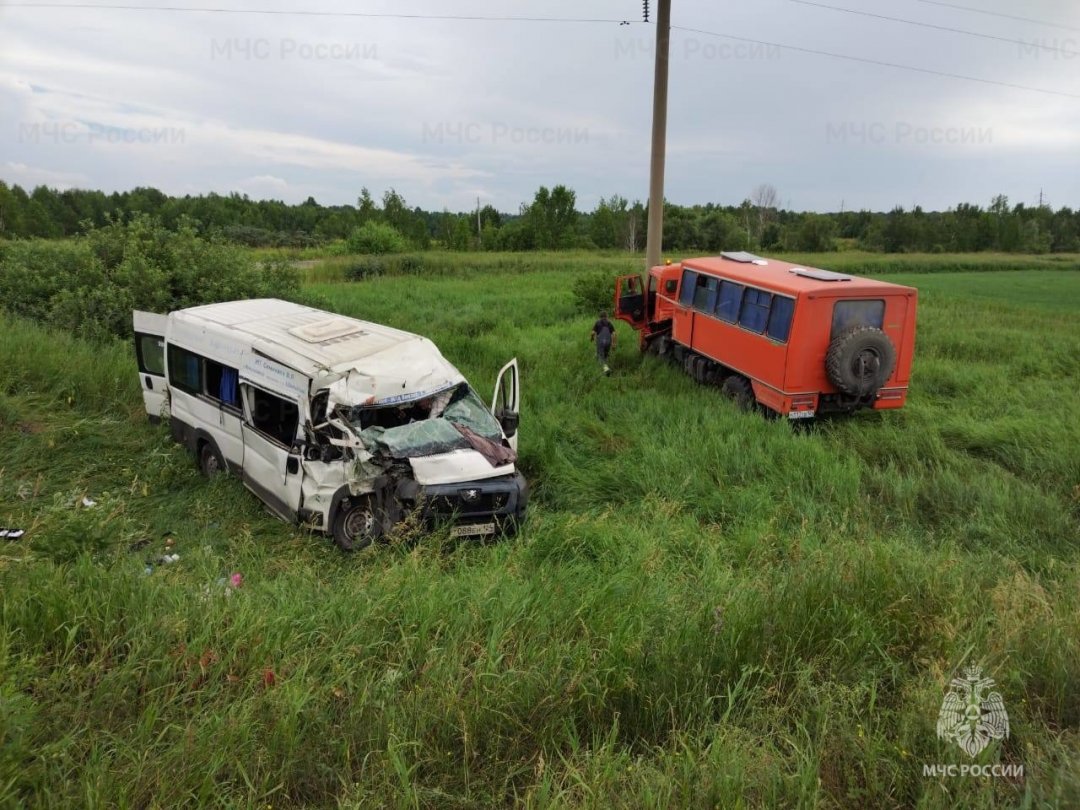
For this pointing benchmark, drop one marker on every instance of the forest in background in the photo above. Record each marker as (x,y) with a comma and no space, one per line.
(550,221)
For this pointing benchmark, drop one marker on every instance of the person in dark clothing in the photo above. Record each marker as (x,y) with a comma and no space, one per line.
(603,335)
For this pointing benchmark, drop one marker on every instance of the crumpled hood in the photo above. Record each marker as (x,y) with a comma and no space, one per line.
(400,373)
(455,467)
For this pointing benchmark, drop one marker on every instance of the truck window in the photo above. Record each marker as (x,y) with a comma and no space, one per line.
(274,417)
(689,283)
(848,314)
(780,318)
(755,310)
(670,286)
(151,354)
(705,293)
(730,300)
(185,370)
(221,383)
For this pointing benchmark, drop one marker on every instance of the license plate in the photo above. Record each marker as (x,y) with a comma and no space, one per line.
(801,415)
(472,530)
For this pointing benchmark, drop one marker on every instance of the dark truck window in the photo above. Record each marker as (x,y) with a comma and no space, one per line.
(755,310)
(730,300)
(848,314)
(780,318)
(185,370)
(705,293)
(274,417)
(689,282)
(151,353)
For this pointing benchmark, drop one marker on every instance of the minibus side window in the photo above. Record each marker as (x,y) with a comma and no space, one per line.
(221,383)
(689,283)
(274,417)
(730,299)
(185,370)
(780,318)
(151,354)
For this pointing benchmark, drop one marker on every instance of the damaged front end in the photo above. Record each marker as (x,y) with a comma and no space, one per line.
(434,458)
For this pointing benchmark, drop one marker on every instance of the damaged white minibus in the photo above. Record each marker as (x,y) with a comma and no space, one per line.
(341,425)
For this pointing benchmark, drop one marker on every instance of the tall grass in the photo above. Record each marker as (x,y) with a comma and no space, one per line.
(705,608)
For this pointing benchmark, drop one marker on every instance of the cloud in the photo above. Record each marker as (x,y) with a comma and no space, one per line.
(30,176)
(292,106)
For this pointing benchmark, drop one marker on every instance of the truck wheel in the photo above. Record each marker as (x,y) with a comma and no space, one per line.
(739,389)
(860,360)
(355,525)
(210,463)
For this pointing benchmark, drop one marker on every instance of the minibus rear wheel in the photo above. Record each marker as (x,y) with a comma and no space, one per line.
(355,525)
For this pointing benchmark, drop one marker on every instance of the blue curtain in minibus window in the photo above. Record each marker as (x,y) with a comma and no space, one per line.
(228,393)
(191,368)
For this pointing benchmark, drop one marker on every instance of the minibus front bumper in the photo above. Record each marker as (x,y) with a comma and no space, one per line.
(488,506)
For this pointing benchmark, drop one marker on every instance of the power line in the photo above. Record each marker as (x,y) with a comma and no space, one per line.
(998,14)
(878,62)
(309,13)
(964,31)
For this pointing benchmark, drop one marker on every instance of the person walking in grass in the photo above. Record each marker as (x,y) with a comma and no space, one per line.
(603,335)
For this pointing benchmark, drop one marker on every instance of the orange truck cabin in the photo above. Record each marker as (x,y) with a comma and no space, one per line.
(796,340)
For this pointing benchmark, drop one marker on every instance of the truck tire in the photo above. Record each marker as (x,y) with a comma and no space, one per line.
(355,525)
(860,360)
(738,389)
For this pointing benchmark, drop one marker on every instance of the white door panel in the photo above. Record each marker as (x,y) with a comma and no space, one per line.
(506,401)
(150,356)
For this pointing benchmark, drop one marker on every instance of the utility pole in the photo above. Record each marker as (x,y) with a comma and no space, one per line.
(479,229)
(654,240)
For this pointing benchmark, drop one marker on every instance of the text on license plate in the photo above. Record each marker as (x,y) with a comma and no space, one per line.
(472,529)
(801,415)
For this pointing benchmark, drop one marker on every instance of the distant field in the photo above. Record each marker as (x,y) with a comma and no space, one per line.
(328,269)
(705,609)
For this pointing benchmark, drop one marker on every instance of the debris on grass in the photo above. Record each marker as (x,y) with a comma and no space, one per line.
(12,534)
(88,503)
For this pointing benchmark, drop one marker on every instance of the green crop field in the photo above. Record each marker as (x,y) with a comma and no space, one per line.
(705,608)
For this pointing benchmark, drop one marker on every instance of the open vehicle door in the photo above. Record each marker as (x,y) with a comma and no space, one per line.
(150,354)
(630,301)
(506,402)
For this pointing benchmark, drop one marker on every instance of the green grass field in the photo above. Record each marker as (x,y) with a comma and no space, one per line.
(705,608)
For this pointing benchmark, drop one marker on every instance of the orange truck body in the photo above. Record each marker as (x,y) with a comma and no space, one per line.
(775,326)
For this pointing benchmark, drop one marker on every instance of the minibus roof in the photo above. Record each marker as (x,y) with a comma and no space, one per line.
(319,343)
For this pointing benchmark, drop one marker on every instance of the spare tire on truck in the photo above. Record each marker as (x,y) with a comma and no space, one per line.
(860,360)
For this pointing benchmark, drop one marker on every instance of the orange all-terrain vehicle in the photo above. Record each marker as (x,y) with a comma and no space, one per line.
(796,340)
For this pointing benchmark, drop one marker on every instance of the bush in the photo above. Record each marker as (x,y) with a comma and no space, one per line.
(594,293)
(90,284)
(376,238)
(365,268)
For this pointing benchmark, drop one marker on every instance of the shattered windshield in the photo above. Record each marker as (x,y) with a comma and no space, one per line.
(426,426)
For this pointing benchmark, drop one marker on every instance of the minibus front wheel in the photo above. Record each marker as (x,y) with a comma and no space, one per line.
(355,525)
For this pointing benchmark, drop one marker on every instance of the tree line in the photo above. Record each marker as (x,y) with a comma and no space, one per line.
(550,221)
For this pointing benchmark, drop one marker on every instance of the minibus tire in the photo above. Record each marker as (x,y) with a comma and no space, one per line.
(845,351)
(349,519)
(210,462)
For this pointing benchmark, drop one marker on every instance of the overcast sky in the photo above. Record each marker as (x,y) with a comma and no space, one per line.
(448,111)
